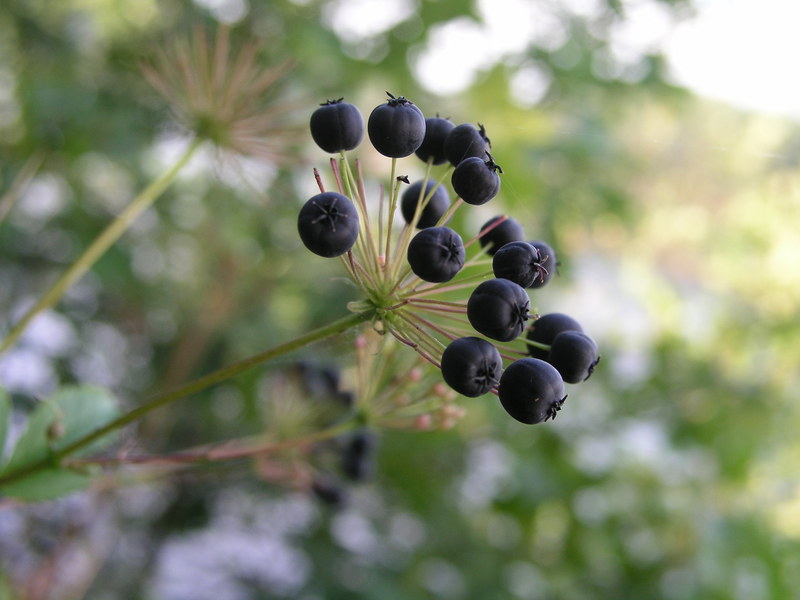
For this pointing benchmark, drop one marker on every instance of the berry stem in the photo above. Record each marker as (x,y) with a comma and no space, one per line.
(193,387)
(392,207)
(100,244)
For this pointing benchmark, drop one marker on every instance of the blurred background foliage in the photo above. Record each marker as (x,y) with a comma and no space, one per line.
(670,474)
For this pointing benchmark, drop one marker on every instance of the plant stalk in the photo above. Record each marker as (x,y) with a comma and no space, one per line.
(100,244)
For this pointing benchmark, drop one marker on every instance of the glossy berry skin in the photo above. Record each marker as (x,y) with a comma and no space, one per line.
(396,128)
(544,330)
(471,366)
(464,141)
(328,224)
(435,208)
(509,230)
(531,391)
(547,262)
(436,254)
(337,126)
(475,180)
(519,262)
(432,147)
(574,354)
(498,308)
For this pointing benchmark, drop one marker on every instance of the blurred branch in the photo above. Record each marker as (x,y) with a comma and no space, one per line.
(19,183)
(101,243)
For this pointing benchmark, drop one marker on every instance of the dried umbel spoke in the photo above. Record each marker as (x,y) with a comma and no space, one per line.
(225,95)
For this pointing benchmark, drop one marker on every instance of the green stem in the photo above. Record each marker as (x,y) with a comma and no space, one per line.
(100,244)
(187,389)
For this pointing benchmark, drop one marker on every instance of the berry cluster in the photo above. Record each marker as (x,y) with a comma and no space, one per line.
(409,276)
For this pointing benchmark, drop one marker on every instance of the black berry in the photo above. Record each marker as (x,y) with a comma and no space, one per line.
(519,262)
(531,390)
(432,147)
(328,224)
(436,254)
(508,230)
(498,308)
(475,180)
(465,141)
(544,330)
(435,208)
(574,354)
(337,126)
(471,366)
(396,128)
(547,261)
(358,455)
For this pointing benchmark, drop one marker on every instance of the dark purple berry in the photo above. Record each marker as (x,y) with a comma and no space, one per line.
(396,128)
(531,390)
(471,366)
(337,126)
(574,354)
(519,262)
(329,491)
(498,308)
(547,261)
(509,230)
(432,147)
(544,330)
(358,455)
(475,180)
(328,224)
(434,209)
(436,254)
(465,141)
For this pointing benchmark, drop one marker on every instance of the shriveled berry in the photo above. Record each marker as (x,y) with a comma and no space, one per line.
(498,308)
(507,231)
(396,128)
(464,141)
(328,224)
(433,210)
(547,261)
(475,180)
(574,354)
(337,125)
(544,330)
(432,147)
(471,366)
(436,254)
(531,390)
(519,262)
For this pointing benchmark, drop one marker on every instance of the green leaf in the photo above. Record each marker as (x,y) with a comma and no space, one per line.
(68,415)
(82,410)
(32,446)
(5,415)
(47,484)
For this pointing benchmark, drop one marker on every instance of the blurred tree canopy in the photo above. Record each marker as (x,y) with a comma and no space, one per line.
(671,473)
